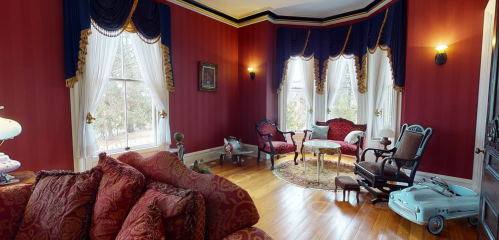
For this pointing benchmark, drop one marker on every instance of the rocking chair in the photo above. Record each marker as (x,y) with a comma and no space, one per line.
(387,175)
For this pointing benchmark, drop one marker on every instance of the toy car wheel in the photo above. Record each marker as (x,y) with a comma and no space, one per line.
(473,221)
(435,224)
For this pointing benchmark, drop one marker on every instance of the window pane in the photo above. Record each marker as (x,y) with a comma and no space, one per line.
(296,112)
(139,106)
(344,104)
(109,126)
(116,71)
(130,67)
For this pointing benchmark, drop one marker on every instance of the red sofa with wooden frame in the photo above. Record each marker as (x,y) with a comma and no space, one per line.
(339,128)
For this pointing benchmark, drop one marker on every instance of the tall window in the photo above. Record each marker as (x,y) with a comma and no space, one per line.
(296,112)
(344,105)
(125,117)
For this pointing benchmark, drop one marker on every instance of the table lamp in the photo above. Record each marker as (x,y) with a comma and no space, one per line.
(385,133)
(8,130)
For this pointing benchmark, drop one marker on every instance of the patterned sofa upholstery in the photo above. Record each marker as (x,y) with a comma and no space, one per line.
(338,130)
(230,211)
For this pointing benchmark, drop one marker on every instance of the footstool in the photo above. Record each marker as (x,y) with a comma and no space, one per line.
(347,184)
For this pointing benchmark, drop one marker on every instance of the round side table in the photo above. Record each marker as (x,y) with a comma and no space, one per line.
(320,148)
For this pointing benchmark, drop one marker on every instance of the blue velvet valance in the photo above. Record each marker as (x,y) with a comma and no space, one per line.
(150,19)
(386,30)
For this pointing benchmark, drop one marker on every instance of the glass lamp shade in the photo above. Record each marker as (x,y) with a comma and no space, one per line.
(386,132)
(9,128)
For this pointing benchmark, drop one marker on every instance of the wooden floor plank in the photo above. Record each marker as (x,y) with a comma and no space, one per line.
(290,212)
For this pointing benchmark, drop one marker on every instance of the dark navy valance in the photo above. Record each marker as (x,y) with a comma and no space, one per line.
(386,30)
(150,20)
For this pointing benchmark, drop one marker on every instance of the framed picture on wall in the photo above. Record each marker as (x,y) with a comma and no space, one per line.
(208,77)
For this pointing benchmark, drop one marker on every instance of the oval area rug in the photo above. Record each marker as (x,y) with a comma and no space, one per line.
(293,174)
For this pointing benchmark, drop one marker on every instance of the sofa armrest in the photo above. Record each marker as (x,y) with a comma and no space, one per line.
(13,201)
(248,233)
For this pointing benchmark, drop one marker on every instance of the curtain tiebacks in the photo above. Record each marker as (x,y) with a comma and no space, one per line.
(90,118)
(163,114)
(378,112)
(328,111)
(310,110)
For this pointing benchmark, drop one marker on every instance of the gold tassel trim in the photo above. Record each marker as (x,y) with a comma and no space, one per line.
(319,86)
(389,53)
(168,68)
(116,33)
(379,35)
(305,47)
(283,76)
(132,29)
(361,78)
(82,54)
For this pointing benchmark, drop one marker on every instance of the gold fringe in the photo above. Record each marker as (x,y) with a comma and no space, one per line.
(283,76)
(82,54)
(305,47)
(119,31)
(361,78)
(168,68)
(319,86)
(132,29)
(389,53)
(379,35)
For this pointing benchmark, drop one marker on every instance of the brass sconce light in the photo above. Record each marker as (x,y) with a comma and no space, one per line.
(252,73)
(441,56)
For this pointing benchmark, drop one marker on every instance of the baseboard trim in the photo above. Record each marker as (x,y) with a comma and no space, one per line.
(207,155)
(468,183)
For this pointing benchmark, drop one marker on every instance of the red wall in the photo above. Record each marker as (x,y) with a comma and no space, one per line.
(204,118)
(32,84)
(257,98)
(444,97)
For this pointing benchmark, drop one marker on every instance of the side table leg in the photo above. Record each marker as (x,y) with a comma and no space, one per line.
(322,163)
(338,165)
(318,166)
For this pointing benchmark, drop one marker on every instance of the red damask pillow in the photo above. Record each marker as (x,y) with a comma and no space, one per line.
(119,189)
(182,211)
(60,205)
(13,200)
(143,222)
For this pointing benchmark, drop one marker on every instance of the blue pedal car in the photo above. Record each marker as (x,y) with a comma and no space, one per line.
(431,202)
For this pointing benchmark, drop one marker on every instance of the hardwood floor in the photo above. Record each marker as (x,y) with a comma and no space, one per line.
(290,212)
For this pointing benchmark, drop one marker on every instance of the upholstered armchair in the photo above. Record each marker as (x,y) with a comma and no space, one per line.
(381,178)
(272,141)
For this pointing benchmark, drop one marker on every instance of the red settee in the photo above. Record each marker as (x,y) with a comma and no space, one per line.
(230,211)
(339,128)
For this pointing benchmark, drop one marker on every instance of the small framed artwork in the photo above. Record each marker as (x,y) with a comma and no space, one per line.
(208,77)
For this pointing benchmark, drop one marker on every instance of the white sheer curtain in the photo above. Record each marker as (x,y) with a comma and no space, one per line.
(150,61)
(381,77)
(307,74)
(333,80)
(282,104)
(99,61)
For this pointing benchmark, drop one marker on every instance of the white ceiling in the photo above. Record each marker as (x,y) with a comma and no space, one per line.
(300,8)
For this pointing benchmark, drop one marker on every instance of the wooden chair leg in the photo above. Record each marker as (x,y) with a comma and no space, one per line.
(258,159)
(302,155)
(296,155)
(272,160)
(358,191)
(344,194)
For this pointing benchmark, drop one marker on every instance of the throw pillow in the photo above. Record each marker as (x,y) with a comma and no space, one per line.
(119,189)
(144,222)
(60,205)
(319,132)
(182,210)
(352,137)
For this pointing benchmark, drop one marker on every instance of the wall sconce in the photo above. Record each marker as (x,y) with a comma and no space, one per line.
(252,73)
(441,56)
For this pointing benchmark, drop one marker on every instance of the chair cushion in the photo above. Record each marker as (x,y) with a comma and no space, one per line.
(346,182)
(61,205)
(319,132)
(143,222)
(375,169)
(228,207)
(280,147)
(346,148)
(408,146)
(352,137)
(119,189)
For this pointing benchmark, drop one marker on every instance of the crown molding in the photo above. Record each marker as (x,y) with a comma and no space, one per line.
(267,14)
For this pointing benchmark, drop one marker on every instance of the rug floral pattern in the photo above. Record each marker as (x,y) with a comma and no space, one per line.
(294,174)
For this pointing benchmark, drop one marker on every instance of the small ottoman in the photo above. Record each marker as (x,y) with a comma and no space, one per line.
(347,184)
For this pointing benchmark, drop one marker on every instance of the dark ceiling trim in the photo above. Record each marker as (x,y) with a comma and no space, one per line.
(282,18)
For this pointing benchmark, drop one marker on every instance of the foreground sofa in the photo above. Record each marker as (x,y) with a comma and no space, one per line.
(229,210)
